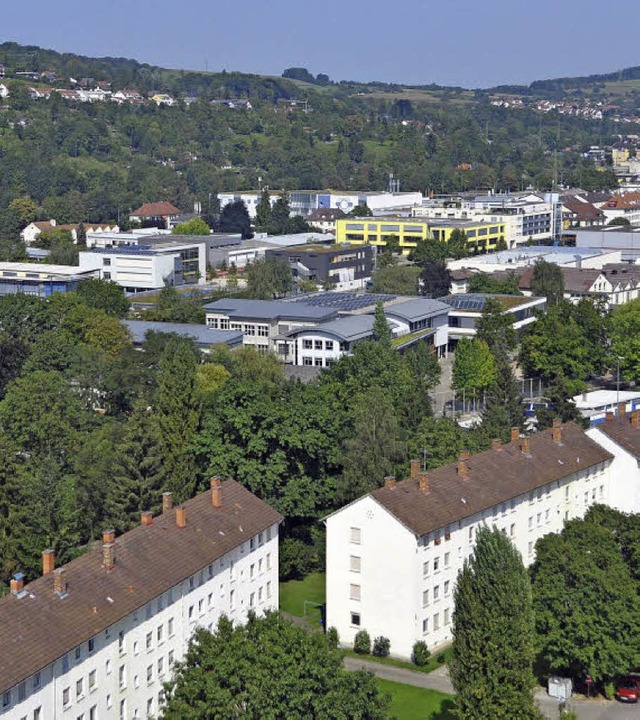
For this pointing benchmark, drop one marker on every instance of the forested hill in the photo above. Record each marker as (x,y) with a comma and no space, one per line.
(95,161)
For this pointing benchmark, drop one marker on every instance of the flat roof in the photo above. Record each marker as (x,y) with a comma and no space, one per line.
(603,398)
(344,301)
(43,268)
(201,334)
(417,308)
(269,309)
(475,302)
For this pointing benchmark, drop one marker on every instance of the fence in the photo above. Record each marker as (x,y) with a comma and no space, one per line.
(452,402)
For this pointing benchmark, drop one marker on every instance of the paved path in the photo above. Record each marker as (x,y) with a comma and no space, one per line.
(439,680)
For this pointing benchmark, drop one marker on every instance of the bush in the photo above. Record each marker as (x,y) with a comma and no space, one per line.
(381,646)
(441,658)
(294,559)
(362,643)
(421,653)
(609,690)
(332,637)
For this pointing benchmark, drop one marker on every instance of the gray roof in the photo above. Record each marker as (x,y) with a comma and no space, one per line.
(201,334)
(412,310)
(269,310)
(348,328)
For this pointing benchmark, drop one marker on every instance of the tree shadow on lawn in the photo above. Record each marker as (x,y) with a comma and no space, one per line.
(446,711)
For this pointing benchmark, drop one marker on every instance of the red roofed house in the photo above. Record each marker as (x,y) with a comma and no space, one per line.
(160,212)
(30,234)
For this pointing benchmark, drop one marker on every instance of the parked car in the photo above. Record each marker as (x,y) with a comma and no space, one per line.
(628,689)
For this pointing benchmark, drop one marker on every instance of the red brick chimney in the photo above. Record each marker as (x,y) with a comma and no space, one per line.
(216,492)
(390,481)
(108,556)
(415,469)
(556,430)
(60,581)
(48,561)
(146,518)
(181,517)
(635,418)
(463,467)
(17,584)
(515,434)
(496,444)
(423,482)
(609,416)
(167,502)
(524,446)
(108,536)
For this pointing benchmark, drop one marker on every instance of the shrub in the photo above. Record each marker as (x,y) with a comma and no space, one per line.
(381,646)
(362,643)
(441,658)
(609,690)
(332,637)
(421,653)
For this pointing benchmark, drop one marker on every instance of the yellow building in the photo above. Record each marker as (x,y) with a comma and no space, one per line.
(481,236)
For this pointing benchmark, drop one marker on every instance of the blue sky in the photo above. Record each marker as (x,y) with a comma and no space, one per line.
(450,42)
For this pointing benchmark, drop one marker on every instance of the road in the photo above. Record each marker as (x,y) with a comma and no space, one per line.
(439,680)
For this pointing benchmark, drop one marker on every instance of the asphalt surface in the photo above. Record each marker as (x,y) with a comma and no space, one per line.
(597,709)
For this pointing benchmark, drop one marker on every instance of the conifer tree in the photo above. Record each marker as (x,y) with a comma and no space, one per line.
(381,330)
(177,411)
(503,409)
(493,630)
(263,211)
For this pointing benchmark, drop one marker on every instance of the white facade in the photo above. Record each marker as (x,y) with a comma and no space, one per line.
(383,578)
(624,492)
(119,672)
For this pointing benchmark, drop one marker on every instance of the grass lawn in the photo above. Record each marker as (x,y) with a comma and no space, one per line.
(293,594)
(431,665)
(413,703)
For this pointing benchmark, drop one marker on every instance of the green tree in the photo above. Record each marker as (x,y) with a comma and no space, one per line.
(26,209)
(269,278)
(491,667)
(104,295)
(280,215)
(429,251)
(495,327)
(435,280)
(457,244)
(234,218)
(195,226)
(396,279)
(263,211)
(277,670)
(177,412)
(361,211)
(547,281)
(381,329)
(625,339)
(586,626)
(474,366)
(503,408)
(489,283)
(13,353)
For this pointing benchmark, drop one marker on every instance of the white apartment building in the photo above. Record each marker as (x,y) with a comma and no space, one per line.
(393,555)
(97,638)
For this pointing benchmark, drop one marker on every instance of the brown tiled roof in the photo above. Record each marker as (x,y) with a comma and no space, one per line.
(576,280)
(582,210)
(40,627)
(494,476)
(623,433)
(158,209)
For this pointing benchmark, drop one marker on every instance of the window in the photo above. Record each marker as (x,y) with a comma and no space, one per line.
(436,592)
(123,710)
(354,592)
(149,706)
(159,632)
(252,599)
(307,344)
(446,587)
(36,681)
(160,667)
(436,622)
(106,275)
(328,345)
(121,647)
(268,561)
(307,361)
(65,664)
(530,548)
(263,331)
(447,617)
(471,533)
(66,696)
(355,619)
(547,514)
(539,519)
(566,492)
(318,362)
(446,559)
(191,607)
(37,714)
(149,673)
(425,598)
(425,568)
(260,594)
(79,688)
(209,599)
(530,522)
(512,529)
(232,599)
(425,626)
(92,679)
(252,570)
(149,641)
(122,677)
(22,691)
(170,657)
(436,564)
(78,654)
(107,667)
(91,645)
(354,564)
(108,702)
(269,589)
(356,536)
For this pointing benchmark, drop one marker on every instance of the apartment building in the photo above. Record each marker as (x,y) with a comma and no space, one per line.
(393,555)
(98,637)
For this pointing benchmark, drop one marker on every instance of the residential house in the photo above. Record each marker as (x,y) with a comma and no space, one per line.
(394,554)
(324,219)
(622,206)
(162,99)
(4,91)
(577,212)
(163,213)
(99,636)
(30,233)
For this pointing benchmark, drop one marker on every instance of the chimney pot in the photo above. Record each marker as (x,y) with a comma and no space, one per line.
(415,469)
(389,481)
(609,416)
(524,446)
(216,492)
(463,468)
(17,584)
(496,444)
(108,555)
(60,581)
(48,561)
(423,482)
(622,409)
(167,502)
(181,517)
(556,430)
(108,536)
(146,518)
(515,434)
(635,418)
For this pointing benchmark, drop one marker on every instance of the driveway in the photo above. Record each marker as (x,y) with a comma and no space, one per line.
(439,680)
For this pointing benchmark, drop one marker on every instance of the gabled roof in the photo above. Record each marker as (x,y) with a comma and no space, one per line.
(582,210)
(576,280)
(40,627)
(494,476)
(157,209)
(623,433)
